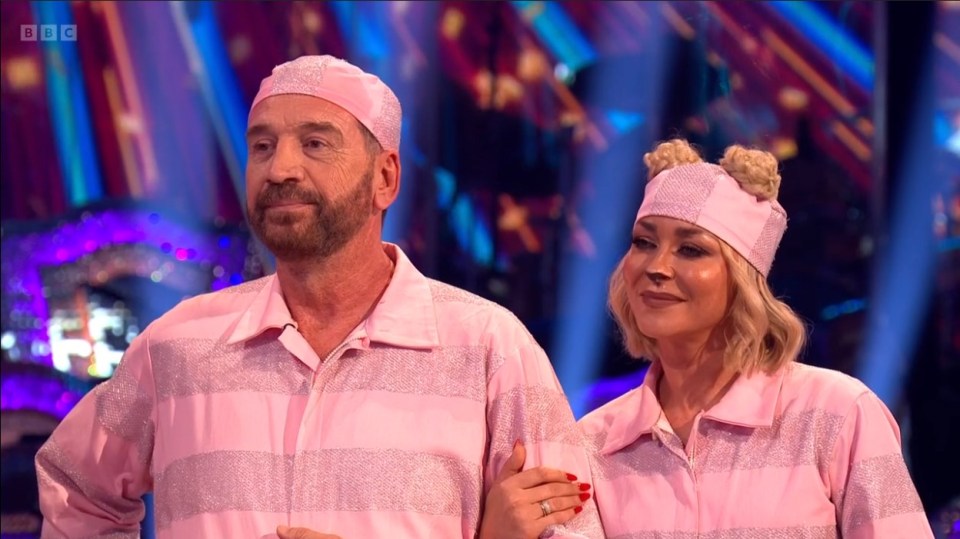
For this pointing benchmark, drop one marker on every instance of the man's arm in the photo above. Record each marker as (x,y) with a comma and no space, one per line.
(525,402)
(95,467)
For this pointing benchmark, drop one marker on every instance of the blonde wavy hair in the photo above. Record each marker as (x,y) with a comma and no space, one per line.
(761,332)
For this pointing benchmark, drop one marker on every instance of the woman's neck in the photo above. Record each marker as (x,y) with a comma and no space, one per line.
(695,377)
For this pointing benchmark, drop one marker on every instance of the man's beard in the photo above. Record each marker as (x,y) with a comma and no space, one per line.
(293,237)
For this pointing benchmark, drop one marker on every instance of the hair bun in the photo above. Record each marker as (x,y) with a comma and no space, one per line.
(668,155)
(756,171)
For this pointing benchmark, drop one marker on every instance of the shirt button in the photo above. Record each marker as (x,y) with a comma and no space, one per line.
(656,438)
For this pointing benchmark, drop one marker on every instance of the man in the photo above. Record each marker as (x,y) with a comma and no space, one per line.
(347,394)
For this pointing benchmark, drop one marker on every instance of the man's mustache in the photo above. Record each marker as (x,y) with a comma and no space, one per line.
(286,193)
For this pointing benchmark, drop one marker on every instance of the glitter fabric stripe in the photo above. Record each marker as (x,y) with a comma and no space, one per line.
(455,371)
(125,409)
(248,287)
(444,293)
(497,360)
(878,488)
(387,480)
(795,532)
(323,480)
(806,438)
(643,458)
(683,197)
(794,439)
(223,481)
(512,414)
(185,367)
(387,123)
(763,251)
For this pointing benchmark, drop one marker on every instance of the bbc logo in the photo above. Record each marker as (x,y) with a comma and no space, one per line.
(48,32)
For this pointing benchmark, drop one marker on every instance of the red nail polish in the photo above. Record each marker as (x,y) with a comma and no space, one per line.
(585,496)
(571,477)
(584,486)
(578,509)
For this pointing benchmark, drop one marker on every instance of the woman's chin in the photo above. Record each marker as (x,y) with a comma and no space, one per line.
(657,332)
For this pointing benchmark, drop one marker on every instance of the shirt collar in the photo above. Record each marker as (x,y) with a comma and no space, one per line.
(633,414)
(751,401)
(404,317)
(266,311)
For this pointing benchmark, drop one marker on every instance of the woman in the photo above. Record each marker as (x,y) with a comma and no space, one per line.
(728,436)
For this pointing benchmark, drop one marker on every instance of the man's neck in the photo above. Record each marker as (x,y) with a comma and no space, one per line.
(326,296)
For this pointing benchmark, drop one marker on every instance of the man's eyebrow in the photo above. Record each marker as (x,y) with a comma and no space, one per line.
(322,127)
(258,129)
(329,128)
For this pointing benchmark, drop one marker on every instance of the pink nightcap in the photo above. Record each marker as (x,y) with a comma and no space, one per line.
(361,94)
(703,194)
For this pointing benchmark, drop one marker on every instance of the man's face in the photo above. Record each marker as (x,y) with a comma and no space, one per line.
(309,177)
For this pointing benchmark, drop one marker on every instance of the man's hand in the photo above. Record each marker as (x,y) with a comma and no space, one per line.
(302,533)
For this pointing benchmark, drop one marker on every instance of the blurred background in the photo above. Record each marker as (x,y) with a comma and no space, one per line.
(525,124)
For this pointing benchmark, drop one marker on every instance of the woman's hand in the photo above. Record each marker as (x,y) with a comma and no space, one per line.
(522,504)
(285,532)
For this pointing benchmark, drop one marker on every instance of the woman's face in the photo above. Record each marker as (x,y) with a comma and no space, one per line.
(677,280)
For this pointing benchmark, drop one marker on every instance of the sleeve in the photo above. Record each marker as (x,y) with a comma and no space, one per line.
(95,467)
(525,402)
(870,483)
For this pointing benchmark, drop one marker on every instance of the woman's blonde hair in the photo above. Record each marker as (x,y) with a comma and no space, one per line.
(760,331)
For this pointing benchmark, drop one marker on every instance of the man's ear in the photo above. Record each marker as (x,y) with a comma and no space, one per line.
(386,179)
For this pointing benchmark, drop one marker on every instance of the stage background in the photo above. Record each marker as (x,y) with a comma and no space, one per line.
(525,124)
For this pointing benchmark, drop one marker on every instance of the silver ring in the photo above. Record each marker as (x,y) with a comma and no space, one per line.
(545,508)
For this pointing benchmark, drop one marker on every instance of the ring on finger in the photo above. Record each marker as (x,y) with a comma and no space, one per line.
(545,508)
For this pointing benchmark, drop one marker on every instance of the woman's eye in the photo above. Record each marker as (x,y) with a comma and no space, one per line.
(692,251)
(643,243)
